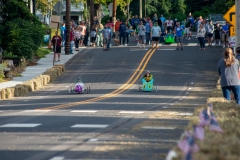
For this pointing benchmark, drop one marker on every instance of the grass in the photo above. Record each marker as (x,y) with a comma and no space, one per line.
(42,52)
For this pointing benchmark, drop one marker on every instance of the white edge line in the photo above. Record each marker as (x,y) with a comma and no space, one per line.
(89,126)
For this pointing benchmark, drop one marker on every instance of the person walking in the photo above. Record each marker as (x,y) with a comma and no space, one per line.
(56,43)
(179,36)
(228,68)
(210,30)
(155,34)
(141,34)
(200,35)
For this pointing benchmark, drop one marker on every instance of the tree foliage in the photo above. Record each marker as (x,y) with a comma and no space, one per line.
(23,31)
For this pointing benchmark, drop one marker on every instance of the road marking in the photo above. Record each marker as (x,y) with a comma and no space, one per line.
(21,125)
(155,127)
(57,158)
(165,107)
(37,110)
(166,49)
(184,114)
(192,44)
(138,49)
(173,44)
(84,111)
(135,76)
(131,112)
(93,140)
(89,126)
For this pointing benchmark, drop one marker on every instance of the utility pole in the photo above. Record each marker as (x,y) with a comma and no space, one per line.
(145,12)
(34,7)
(237,3)
(67,43)
(140,8)
(91,12)
(114,14)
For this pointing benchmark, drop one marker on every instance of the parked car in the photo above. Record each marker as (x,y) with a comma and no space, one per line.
(217,18)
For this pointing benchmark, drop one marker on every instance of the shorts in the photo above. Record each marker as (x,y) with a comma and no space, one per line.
(225,37)
(187,30)
(156,39)
(210,35)
(217,36)
(105,40)
(58,49)
(82,37)
(141,37)
(93,39)
(169,28)
(179,39)
(134,27)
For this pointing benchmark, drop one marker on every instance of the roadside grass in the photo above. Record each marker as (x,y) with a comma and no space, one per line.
(42,52)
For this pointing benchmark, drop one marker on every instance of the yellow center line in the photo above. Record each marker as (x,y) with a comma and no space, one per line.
(118,91)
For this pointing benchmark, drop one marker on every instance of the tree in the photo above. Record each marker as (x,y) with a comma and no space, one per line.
(23,31)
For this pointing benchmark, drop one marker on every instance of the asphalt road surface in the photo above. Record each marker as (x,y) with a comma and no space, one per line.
(114,121)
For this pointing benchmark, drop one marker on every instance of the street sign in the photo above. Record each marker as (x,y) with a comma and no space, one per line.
(232,31)
(58,7)
(230,16)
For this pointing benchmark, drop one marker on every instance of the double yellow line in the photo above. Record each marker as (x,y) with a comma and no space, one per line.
(121,89)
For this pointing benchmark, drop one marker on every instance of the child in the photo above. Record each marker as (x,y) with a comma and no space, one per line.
(148,77)
(79,86)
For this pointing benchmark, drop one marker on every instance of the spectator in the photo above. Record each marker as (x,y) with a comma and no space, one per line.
(135,23)
(117,25)
(71,40)
(210,30)
(95,20)
(225,35)
(217,36)
(228,68)
(93,35)
(83,33)
(77,37)
(63,28)
(56,43)
(110,37)
(99,36)
(155,18)
(127,32)
(163,19)
(106,37)
(122,32)
(238,53)
(169,24)
(141,34)
(110,24)
(187,29)
(200,20)
(200,35)
(179,36)
(147,33)
(155,34)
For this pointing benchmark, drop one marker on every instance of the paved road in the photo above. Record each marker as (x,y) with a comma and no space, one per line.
(114,121)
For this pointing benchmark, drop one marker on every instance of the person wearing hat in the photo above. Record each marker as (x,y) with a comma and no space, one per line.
(147,77)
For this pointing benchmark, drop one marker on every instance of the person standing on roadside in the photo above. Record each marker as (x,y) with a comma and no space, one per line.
(210,30)
(155,18)
(56,43)
(187,29)
(83,33)
(217,34)
(141,34)
(169,24)
(106,37)
(147,33)
(71,40)
(63,28)
(127,32)
(163,19)
(155,34)
(77,37)
(122,31)
(135,23)
(110,37)
(228,68)
(179,36)
(200,35)
(86,38)
(117,25)
(225,35)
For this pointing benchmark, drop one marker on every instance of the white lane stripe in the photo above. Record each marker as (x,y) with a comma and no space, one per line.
(166,49)
(89,126)
(57,158)
(84,111)
(93,140)
(21,125)
(155,127)
(184,114)
(132,112)
(192,44)
(37,110)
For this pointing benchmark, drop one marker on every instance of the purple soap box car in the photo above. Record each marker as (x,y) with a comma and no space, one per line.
(79,87)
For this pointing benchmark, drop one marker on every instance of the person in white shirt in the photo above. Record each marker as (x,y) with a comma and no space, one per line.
(169,24)
(155,34)
(79,86)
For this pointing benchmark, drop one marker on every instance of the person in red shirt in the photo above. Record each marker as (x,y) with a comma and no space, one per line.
(117,25)
(56,43)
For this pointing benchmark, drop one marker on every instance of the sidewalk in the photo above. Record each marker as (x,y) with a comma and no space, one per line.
(42,65)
